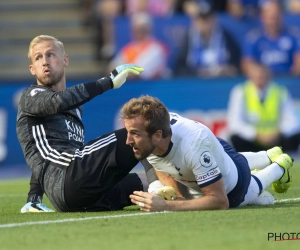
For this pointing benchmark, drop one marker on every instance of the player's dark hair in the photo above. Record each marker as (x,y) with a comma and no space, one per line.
(154,112)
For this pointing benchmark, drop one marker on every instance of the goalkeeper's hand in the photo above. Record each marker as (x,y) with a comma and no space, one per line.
(120,73)
(35,207)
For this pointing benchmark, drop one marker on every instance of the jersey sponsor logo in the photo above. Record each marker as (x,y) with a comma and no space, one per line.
(35,91)
(75,137)
(274,56)
(209,175)
(75,132)
(206,159)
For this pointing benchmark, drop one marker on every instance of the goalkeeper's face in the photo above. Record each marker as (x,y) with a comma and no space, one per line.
(138,138)
(48,63)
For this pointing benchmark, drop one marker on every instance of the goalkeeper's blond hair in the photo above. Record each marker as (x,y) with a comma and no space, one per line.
(42,38)
(154,112)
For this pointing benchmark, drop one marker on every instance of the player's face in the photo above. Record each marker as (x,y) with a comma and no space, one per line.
(138,138)
(48,63)
(271,15)
(259,76)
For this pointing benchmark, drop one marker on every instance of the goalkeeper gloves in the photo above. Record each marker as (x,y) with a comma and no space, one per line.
(35,207)
(120,73)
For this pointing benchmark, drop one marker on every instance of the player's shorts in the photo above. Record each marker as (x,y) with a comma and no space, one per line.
(118,197)
(237,195)
(98,178)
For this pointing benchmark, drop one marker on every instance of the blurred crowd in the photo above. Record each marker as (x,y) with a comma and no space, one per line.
(261,113)
(206,49)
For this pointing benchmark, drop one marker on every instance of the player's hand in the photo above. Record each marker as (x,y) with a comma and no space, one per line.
(120,73)
(149,202)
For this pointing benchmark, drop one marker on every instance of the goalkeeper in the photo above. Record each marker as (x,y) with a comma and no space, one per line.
(74,176)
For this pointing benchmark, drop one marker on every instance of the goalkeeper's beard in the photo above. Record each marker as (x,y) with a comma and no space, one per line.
(51,80)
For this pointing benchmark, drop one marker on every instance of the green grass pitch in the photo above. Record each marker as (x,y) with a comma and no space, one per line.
(242,228)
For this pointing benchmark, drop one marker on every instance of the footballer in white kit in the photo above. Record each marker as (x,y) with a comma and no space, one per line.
(195,157)
(187,152)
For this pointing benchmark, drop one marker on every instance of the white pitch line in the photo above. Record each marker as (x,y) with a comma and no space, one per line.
(21,224)
(287,200)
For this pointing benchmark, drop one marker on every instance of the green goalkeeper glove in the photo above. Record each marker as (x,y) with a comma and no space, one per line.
(120,73)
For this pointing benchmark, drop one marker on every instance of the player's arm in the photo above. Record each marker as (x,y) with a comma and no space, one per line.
(41,101)
(34,200)
(209,178)
(156,186)
(214,198)
(237,123)
(169,181)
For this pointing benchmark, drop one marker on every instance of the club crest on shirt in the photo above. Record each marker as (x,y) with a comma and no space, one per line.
(35,91)
(206,159)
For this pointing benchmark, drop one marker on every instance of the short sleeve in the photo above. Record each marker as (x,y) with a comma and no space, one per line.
(205,167)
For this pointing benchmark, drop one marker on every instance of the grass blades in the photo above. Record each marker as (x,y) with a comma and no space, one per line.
(249,227)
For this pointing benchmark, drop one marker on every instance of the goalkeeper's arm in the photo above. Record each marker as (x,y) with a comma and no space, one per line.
(34,200)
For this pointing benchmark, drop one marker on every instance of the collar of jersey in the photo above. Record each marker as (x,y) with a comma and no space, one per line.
(168,151)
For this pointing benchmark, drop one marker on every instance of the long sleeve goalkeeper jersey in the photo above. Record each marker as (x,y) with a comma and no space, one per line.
(49,125)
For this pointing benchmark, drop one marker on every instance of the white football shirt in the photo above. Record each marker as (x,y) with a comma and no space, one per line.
(195,157)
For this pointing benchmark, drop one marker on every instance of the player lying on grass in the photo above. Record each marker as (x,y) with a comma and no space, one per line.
(188,152)
(74,176)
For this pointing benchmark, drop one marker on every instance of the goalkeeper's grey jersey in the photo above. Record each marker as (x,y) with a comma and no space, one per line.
(50,129)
